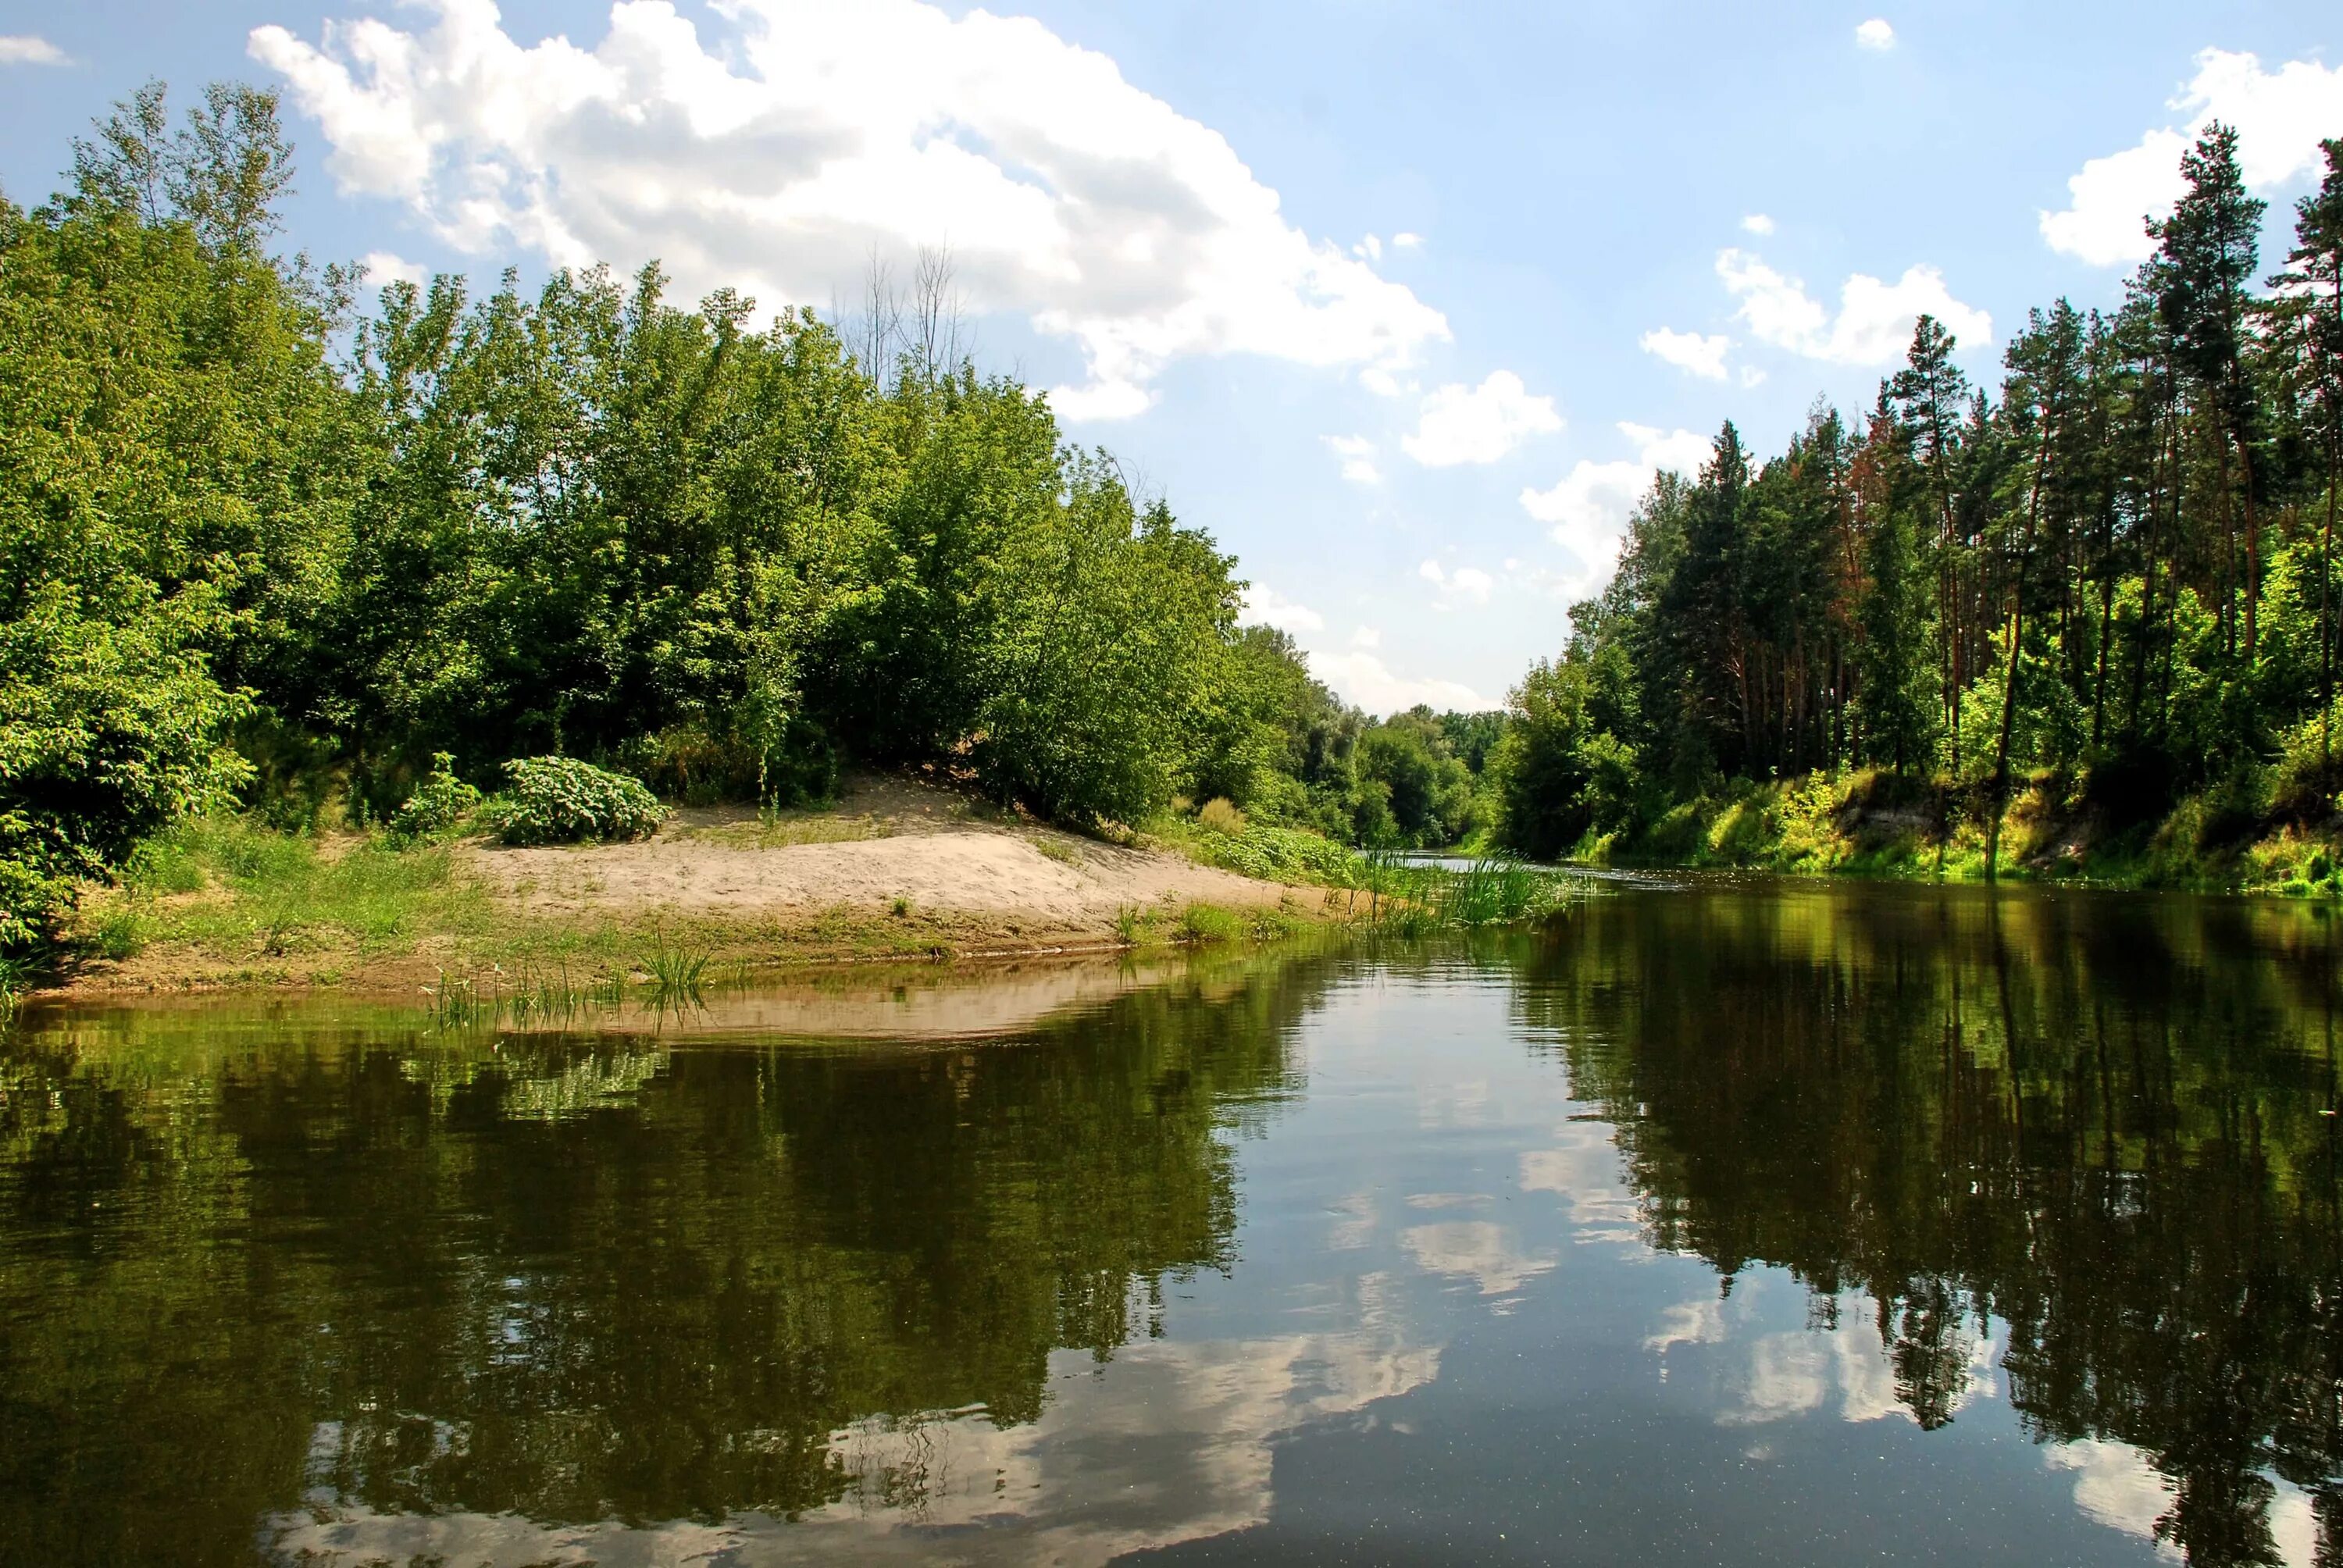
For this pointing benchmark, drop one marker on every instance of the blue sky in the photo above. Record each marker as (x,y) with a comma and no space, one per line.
(1403,302)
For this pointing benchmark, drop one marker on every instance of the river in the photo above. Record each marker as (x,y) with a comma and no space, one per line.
(1729,1221)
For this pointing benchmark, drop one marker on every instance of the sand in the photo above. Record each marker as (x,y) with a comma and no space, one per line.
(930,849)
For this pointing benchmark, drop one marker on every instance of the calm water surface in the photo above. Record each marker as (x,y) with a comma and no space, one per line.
(1730,1223)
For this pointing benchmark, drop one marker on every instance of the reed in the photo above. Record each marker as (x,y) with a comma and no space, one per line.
(679,975)
(1407,899)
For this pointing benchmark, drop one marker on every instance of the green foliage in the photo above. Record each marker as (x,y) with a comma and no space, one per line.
(2106,593)
(437,804)
(1278,855)
(561,800)
(1563,778)
(109,728)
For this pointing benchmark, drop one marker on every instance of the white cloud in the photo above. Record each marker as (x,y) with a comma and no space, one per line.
(1588,508)
(1479,1249)
(1876,34)
(2279,117)
(1361,677)
(1367,637)
(1480,424)
(1267,606)
(29,49)
(1358,454)
(1406,241)
(776,160)
(382,267)
(1370,248)
(1689,351)
(1757,222)
(2114,1484)
(1465,585)
(1874,319)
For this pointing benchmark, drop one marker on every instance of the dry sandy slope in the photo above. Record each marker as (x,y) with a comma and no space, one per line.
(926,847)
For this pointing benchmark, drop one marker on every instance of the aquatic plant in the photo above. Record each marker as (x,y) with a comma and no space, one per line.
(677,974)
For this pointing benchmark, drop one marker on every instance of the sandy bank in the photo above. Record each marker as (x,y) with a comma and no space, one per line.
(898,871)
(889,841)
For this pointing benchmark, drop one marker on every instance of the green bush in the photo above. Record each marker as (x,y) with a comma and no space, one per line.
(561,800)
(439,802)
(1278,855)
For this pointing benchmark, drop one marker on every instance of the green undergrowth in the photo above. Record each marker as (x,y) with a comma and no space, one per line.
(1290,855)
(1381,889)
(229,886)
(1865,823)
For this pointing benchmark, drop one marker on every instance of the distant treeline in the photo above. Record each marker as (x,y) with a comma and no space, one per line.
(2114,582)
(258,545)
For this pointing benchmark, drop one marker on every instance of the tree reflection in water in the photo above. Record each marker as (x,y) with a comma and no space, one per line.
(325,1281)
(574,1279)
(2106,1122)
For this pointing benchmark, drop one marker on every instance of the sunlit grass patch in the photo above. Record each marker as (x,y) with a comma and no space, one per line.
(235,888)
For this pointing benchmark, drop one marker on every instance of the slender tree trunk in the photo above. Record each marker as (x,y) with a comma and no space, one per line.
(2326,596)
(2016,642)
(2253,558)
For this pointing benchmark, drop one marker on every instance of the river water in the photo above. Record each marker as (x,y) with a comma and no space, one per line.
(1728,1222)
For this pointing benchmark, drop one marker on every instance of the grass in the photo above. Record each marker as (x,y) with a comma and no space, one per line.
(678,973)
(773,830)
(1407,898)
(231,889)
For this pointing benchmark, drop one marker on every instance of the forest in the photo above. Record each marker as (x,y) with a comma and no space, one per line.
(2103,593)
(265,548)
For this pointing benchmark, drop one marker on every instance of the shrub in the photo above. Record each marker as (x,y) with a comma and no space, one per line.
(1221,815)
(1280,855)
(700,766)
(561,800)
(439,802)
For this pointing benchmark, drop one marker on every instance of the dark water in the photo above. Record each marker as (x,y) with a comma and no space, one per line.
(1729,1224)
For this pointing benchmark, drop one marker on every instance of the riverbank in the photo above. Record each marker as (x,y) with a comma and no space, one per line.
(1868,824)
(897,871)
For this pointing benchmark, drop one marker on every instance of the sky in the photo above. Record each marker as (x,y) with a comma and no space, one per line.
(1404,303)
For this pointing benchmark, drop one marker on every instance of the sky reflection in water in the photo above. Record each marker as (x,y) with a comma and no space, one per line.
(1741,1223)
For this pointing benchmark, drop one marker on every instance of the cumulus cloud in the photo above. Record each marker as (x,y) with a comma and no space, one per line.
(1480,424)
(29,49)
(1361,677)
(1406,241)
(1587,510)
(1757,222)
(1358,454)
(1874,319)
(1875,35)
(381,267)
(1266,606)
(777,159)
(2279,117)
(1688,351)
(1465,585)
